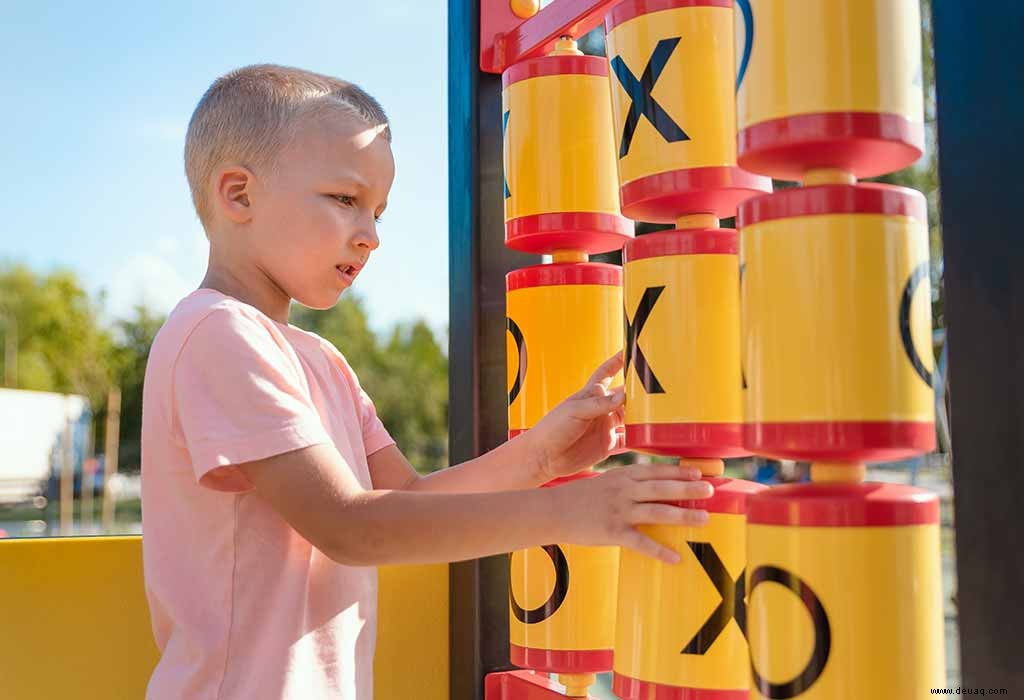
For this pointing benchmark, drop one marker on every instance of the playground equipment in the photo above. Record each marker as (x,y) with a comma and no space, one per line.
(442,629)
(836,362)
(837,347)
(679,629)
(563,320)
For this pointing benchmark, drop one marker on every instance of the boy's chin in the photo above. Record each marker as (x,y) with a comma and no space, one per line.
(320,302)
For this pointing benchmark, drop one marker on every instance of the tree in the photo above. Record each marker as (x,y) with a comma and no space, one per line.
(134,338)
(407,377)
(61,345)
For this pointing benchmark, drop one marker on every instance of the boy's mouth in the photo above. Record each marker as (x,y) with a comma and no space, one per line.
(348,272)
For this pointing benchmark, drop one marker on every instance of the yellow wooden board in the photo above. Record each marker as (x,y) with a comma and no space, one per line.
(76,624)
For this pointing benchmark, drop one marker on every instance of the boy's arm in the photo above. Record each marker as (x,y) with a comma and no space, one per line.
(577,433)
(509,467)
(317,494)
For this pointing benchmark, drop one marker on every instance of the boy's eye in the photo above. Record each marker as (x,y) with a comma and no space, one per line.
(345,199)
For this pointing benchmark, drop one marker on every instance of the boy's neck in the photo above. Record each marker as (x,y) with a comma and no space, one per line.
(259,291)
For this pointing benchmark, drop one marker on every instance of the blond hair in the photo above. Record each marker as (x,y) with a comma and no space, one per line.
(248,115)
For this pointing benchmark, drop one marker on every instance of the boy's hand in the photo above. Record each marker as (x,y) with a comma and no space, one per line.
(605,510)
(582,430)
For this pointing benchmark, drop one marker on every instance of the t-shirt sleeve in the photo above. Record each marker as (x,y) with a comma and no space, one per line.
(239,397)
(375,435)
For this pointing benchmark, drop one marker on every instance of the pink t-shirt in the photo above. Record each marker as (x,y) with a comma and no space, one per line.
(242,605)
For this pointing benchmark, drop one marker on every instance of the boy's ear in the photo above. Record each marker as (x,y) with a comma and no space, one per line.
(232,189)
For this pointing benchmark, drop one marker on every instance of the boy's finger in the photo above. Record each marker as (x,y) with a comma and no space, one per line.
(594,406)
(671,490)
(608,369)
(644,472)
(645,545)
(663,514)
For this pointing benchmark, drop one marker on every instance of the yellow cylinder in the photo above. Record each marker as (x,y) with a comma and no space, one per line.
(836,315)
(563,321)
(562,606)
(680,628)
(844,595)
(673,101)
(682,322)
(561,189)
(829,84)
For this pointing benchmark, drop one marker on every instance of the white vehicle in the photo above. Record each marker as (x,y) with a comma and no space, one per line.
(32,437)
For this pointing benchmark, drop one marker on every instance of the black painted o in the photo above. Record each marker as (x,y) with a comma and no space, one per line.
(919,274)
(517,336)
(557,597)
(822,634)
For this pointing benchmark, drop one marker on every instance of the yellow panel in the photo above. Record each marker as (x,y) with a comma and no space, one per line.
(78,605)
(880,588)
(832,56)
(662,607)
(568,331)
(821,319)
(696,89)
(75,619)
(559,150)
(691,339)
(585,619)
(412,633)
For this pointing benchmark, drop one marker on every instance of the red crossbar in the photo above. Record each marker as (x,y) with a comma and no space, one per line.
(506,39)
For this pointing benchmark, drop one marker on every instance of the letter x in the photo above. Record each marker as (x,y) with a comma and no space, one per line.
(633,330)
(732,607)
(643,103)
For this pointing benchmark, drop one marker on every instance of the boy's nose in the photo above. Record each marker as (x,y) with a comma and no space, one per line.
(368,238)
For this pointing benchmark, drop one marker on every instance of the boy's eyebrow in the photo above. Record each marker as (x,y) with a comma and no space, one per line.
(353,178)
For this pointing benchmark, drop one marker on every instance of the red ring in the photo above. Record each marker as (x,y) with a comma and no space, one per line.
(817,200)
(664,197)
(709,241)
(554,65)
(843,505)
(864,143)
(554,274)
(696,440)
(562,661)
(853,441)
(586,231)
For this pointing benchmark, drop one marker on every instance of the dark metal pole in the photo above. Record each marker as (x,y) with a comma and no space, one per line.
(980,93)
(478,262)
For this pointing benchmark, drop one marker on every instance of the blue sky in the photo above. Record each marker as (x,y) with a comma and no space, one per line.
(96,99)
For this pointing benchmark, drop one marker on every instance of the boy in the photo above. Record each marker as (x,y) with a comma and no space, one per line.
(271,489)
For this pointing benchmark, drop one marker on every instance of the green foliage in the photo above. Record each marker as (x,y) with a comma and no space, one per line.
(60,343)
(407,377)
(134,339)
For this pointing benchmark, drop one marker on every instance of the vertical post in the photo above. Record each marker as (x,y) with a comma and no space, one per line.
(88,481)
(978,68)
(478,262)
(67,474)
(112,436)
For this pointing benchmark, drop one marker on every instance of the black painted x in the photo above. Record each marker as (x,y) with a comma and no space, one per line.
(633,330)
(643,103)
(733,605)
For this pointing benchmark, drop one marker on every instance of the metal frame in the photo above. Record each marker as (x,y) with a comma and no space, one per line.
(980,108)
(478,262)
